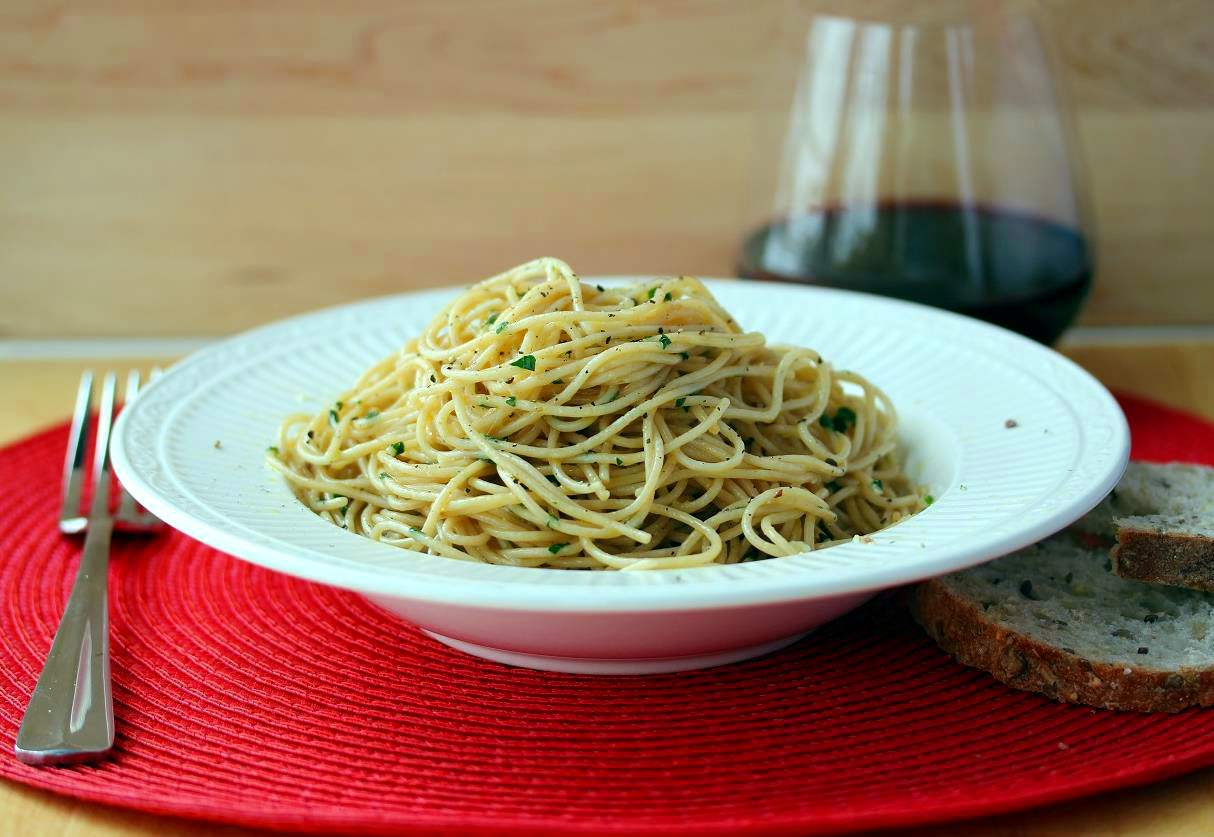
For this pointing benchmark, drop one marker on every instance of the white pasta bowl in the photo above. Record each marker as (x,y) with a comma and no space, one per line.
(1012,439)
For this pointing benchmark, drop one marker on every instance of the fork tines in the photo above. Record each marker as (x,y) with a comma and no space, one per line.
(72,517)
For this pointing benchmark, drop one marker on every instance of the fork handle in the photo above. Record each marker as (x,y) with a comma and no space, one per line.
(70,717)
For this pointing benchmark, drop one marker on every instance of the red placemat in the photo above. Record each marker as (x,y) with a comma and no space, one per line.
(250,697)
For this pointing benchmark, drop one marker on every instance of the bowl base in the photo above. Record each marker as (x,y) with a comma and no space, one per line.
(589,665)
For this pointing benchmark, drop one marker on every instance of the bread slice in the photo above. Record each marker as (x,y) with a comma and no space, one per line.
(1052,619)
(1163,518)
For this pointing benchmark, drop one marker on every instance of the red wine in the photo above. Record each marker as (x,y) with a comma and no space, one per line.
(1009,268)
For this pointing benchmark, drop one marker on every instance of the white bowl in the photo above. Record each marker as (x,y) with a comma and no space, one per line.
(191,450)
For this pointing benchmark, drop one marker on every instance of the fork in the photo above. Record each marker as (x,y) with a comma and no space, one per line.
(70,716)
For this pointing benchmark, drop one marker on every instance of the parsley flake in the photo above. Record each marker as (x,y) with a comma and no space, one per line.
(371,415)
(668,297)
(500,328)
(619,461)
(877,484)
(685,356)
(398,448)
(929,499)
(601,288)
(825,421)
(664,340)
(557,547)
(272,449)
(844,417)
(491,320)
(511,400)
(559,381)
(333,416)
(653,291)
(682,402)
(525,362)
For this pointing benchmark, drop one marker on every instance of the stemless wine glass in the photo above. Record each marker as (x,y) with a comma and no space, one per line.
(931,160)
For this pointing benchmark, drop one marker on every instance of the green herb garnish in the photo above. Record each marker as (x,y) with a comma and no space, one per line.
(272,449)
(834,485)
(525,362)
(558,381)
(682,402)
(667,298)
(371,415)
(877,484)
(825,421)
(557,547)
(929,499)
(653,291)
(383,475)
(844,417)
(500,328)
(333,416)
(619,461)
(511,400)
(685,356)
(398,448)
(600,288)
(664,340)
(491,320)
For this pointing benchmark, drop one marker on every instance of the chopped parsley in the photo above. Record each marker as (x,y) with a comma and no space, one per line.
(929,499)
(339,405)
(667,298)
(601,288)
(844,417)
(415,529)
(685,355)
(664,340)
(559,381)
(557,547)
(501,327)
(834,485)
(371,415)
(398,448)
(333,416)
(653,291)
(525,362)
(825,421)
(511,400)
(877,484)
(682,402)
(383,475)
(619,461)
(272,449)
(491,320)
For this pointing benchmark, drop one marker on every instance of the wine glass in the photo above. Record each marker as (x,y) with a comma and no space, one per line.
(933,160)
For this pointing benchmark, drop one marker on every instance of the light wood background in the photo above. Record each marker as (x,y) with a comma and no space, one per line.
(172,168)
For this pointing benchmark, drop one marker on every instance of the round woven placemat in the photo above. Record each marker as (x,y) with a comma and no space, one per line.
(250,697)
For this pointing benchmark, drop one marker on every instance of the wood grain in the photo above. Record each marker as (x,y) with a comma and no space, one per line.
(39,393)
(176,169)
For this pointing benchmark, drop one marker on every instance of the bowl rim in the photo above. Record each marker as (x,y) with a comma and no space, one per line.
(531,589)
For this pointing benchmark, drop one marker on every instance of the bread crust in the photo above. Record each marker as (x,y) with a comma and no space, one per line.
(959,627)
(1164,558)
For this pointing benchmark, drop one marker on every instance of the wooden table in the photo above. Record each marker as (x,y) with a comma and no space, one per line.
(38,393)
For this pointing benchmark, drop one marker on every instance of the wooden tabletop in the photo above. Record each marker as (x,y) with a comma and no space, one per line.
(38,393)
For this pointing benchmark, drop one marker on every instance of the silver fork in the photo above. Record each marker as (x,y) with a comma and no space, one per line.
(70,716)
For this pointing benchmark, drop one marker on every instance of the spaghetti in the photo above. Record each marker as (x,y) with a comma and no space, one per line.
(540,421)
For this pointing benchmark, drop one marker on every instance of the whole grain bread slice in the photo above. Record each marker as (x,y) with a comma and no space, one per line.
(1052,619)
(1163,520)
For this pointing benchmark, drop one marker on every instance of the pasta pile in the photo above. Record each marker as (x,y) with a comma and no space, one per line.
(540,421)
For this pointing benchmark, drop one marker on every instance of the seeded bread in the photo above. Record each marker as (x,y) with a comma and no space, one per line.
(1163,518)
(1052,619)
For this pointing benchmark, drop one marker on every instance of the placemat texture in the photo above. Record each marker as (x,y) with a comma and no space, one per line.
(250,697)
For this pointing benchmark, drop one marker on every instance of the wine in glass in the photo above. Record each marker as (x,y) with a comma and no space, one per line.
(935,161)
